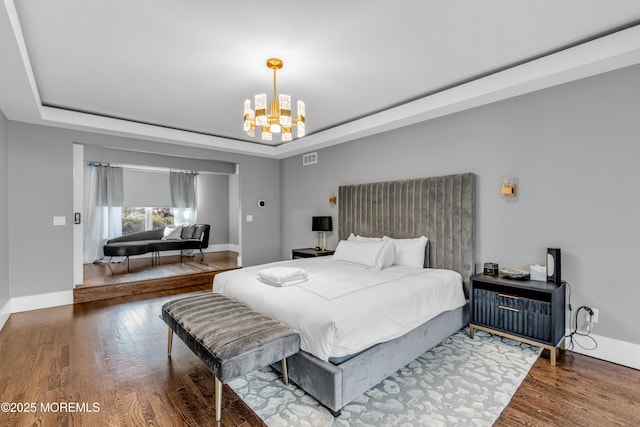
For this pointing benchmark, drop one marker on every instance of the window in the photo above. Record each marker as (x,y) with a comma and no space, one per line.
(136,219)
(161,217)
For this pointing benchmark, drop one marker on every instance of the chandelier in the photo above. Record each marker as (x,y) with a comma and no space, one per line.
(277,119)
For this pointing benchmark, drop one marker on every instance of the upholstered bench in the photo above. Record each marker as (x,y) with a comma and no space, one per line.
(230,338)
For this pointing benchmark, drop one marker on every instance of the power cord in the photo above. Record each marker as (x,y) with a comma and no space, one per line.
(573,325)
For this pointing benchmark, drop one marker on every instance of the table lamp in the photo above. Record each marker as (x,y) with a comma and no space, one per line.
(321,224)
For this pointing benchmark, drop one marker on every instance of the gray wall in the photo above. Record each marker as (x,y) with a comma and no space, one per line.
(41,186)
(129,157)
(234,210)
(4,211)
(213,206)
(574,150)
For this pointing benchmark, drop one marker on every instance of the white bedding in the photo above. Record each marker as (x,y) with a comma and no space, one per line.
(344,308)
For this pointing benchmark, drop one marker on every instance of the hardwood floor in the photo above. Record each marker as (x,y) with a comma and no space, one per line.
(105,280)
(579,391)
(141,268)
(112,353)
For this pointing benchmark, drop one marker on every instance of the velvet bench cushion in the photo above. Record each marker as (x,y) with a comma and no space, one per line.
(230,338)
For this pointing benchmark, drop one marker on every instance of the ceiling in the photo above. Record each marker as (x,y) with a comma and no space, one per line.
(178,72)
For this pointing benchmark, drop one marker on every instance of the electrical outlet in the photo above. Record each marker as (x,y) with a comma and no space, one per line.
(594,317)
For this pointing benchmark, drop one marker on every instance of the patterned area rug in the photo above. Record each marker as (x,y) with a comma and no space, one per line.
(460,382)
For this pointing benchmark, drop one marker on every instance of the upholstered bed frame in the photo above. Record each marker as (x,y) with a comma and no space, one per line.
(441,208)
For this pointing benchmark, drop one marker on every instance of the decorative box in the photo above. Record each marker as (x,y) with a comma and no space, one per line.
(538,272)
(490,269)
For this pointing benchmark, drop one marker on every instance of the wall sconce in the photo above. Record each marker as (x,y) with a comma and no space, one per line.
(333,199)
(508,190)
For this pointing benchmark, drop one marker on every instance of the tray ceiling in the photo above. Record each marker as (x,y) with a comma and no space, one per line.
(179,71)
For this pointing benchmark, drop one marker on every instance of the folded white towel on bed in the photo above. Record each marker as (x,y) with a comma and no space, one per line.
(283,276)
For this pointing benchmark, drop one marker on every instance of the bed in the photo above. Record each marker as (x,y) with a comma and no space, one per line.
(341,358)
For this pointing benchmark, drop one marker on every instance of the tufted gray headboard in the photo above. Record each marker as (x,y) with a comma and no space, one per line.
(441,208)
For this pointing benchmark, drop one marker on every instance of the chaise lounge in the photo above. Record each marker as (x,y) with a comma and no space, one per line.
(161,239)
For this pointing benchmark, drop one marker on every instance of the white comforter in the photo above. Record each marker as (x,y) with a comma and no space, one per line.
(345,308)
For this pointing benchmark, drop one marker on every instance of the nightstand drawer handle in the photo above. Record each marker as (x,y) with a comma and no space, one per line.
(504,307)
(508,296)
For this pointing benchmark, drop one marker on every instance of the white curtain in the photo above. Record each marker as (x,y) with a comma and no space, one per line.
(183,197)
(104,214)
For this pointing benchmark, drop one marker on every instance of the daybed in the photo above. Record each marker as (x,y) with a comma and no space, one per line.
(332,371)
(161,239)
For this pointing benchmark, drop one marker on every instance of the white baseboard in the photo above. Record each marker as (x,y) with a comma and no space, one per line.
(54,299)
(233,248)
(222,248)
(609,349)
(35,302)
(5,312)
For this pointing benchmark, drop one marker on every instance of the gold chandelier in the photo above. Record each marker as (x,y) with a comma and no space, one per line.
(278,118)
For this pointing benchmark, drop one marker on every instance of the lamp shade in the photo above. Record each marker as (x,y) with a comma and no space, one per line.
(321,223)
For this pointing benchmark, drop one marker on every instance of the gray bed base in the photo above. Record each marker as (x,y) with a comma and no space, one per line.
(336,385)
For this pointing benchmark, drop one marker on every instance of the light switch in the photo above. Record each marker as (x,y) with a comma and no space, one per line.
(249,218)
(59,220)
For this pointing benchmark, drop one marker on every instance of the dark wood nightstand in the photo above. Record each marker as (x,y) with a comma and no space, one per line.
(524,310)
(309,253)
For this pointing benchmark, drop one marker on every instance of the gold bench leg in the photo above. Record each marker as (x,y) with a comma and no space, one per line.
(285,374)
(218,397)
(169,341)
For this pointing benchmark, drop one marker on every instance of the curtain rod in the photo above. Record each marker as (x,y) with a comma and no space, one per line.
(143,168)
(153,168)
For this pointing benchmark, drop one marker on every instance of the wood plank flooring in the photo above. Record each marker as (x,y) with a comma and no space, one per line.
(104,280)
(579,391)
(113,353)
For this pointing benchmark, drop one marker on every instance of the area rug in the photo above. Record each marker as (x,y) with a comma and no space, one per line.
(460,382)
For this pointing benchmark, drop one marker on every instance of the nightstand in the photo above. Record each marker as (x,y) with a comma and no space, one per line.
(309,253)
(524,310)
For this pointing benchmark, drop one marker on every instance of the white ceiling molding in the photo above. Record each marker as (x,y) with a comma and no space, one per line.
(91,123)
(21,70)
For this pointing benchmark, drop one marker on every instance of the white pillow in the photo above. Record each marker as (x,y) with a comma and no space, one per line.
(359,238)
(387,255)
(172,233)
(368,253)
(409,252)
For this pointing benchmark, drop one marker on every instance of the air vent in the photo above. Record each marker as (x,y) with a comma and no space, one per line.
(309,159)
